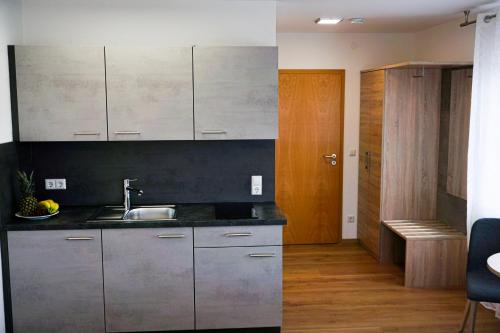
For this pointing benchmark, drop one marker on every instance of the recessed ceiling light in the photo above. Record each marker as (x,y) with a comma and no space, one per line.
(357,20)
(328,20)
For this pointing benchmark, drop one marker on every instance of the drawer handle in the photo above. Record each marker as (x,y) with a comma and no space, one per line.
(262,255)
(238,234)
(128,133)
(87,133)
(213,132)
(79,238)
(171,236)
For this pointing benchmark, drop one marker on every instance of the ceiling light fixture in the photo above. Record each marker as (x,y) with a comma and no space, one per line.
(357,20)
(328,20)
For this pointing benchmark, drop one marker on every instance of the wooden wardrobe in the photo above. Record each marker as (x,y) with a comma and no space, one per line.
(399,146)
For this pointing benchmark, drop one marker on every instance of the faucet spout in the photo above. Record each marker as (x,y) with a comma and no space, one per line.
(126,193)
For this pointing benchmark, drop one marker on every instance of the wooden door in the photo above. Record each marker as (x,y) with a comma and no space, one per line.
(370,150)
(308,186)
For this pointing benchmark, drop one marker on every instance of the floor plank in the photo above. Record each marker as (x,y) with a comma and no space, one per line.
(341,288)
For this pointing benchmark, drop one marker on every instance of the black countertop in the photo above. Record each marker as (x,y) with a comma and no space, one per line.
(188,215)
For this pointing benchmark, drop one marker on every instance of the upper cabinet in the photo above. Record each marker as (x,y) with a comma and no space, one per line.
(235,92)
(61,93)
(150,93)
(146,93)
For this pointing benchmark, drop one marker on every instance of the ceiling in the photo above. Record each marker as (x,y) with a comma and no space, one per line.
(380,15)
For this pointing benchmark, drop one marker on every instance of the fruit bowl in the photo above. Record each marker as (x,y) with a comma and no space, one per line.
(34,218)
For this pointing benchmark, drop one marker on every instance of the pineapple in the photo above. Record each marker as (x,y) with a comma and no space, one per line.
(28,204)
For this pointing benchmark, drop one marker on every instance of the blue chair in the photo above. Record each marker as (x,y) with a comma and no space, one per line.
(482,285)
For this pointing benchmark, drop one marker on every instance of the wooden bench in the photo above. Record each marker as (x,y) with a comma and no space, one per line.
(433,254)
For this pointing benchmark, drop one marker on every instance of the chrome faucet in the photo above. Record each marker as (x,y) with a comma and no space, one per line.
(126,193)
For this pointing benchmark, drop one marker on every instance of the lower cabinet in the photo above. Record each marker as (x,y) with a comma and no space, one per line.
(56,281)
(238,287)
(145,279)
(148,279)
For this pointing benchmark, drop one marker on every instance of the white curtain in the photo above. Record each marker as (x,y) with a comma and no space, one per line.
(483,183)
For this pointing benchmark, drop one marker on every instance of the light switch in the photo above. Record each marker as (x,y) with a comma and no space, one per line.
(256,185)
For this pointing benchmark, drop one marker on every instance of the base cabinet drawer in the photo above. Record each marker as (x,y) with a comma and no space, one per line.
(238,236)
(148,279)
(56,281)
(238,287)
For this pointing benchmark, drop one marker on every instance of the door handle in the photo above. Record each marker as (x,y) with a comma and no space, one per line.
(213,132)
(333,158)
(79,238)
(262,255)
(238,234)
(171,236)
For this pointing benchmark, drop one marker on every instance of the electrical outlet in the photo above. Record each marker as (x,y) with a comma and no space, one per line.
(351,219)
(256,185)
(50,184)
(61,184)
(55,184)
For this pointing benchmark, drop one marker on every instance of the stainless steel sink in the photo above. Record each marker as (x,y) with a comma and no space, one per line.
(150,213)
(136,214)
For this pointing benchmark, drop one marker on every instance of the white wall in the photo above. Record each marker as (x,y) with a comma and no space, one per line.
(10,33)
(352,52)
(446,42)
(172,22)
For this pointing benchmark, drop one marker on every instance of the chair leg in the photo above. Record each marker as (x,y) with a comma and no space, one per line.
(472,321)
(466,316)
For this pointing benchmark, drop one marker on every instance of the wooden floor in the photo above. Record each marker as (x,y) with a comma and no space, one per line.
(340,288)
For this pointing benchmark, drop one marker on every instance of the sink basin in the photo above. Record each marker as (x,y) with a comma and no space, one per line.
(150,214)
(142,213)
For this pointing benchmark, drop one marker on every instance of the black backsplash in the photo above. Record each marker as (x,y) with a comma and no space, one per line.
(168,171)
(8,167)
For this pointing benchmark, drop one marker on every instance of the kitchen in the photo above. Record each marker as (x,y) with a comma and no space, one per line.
(158,139)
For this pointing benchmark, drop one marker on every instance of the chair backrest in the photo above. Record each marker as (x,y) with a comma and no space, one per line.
(484,241)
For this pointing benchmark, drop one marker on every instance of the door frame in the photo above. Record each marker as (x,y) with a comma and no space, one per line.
(340,157)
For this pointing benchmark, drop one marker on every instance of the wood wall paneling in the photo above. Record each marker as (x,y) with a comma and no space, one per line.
(411,143)
(460,104)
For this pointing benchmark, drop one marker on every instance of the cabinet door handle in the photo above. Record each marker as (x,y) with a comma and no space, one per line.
(87,133)
(213,132)
(171,236)
(238,234)
(79,238)
(262,255)
(128,133)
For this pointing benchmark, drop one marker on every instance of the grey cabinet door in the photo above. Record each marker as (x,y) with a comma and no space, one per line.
(148,279)
(56,281)
(238,287)
(235,92)
(150,93)
(61,93)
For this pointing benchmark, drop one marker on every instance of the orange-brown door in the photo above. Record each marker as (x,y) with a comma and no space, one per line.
(309,155)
